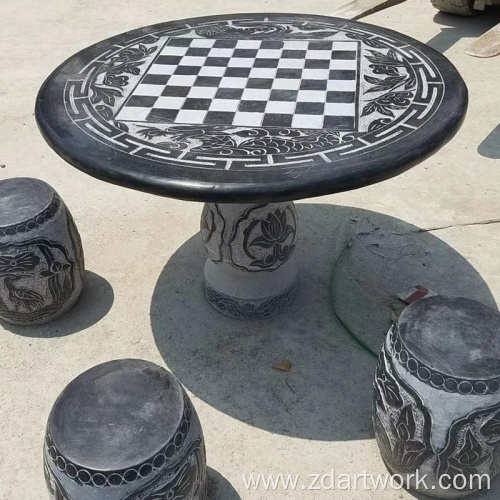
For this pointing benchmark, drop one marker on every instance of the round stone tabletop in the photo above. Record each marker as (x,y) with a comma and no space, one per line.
(251,107)
(116,415)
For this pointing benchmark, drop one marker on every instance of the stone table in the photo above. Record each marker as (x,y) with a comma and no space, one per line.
(247,113)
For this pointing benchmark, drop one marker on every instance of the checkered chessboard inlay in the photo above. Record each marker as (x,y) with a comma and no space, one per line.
(303,84)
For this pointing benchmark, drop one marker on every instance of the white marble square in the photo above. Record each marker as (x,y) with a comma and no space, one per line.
(307,121)
(203,92)
(345,46)
(296,45)
(182,80)
(248,119)
(291,63)
(280,107)
(193,116)
(248,44)
(134,113)
(262,73)
(343,64)
(286,84)
(241,62)
(256,95)
(212,71)
(228,82)
(269,53)
(192,61)
(342,85)
(315,74)
(224,105)
(149,90)
(216,52)
(173,51)
(202,43)
(311,96)
(167,102)
(340,109)
(161,69)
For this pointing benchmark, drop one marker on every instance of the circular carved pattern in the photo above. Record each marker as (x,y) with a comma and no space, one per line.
(116,478)
(44,216)
(434,378)
(246,310)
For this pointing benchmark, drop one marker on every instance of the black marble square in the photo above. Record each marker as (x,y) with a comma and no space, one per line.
(277,120)
(245,53)
(293,54)
(339,122)
(252,106)
(342,74)
(207,81)
(283,95)
(197,52)
(225,44)
(229,94)
(320,45)
(180,42)
(219,117)
(175,91)
(196,103)
(294,74)
(141,101)
(260,83)
(266,63)
(349,55)
(313,84)
(338,96)
(156,79)
(162,115)
(187,70)
(309,108)
(271,44)
(171,60)
(217,61)
(237,72)
(317,64)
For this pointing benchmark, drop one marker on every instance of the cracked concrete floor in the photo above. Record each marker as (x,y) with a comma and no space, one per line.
(143,297)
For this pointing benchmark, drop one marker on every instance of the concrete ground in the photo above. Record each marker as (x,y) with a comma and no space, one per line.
(143,297)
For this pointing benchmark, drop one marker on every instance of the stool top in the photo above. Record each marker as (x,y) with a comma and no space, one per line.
(453,336)
(23,198)
(251,107)
(116,415)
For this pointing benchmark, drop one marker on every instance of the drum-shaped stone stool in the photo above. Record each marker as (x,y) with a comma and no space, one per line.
(41,256)
(437,399)
(125,430)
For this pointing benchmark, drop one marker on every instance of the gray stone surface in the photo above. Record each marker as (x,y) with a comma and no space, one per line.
(437,395)
(41,255)
(124,430)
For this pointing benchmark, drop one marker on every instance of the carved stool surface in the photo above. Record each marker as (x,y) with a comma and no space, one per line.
(437,395)
(41,256)
(125,430)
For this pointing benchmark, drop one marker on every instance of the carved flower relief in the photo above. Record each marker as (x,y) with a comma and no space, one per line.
(473,446)
(212,231)
(264,237)
(402,425)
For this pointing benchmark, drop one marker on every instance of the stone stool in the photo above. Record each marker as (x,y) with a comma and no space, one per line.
(125,430)
(41,257)
(437,398)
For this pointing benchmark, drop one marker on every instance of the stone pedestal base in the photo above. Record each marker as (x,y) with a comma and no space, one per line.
(250,272)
